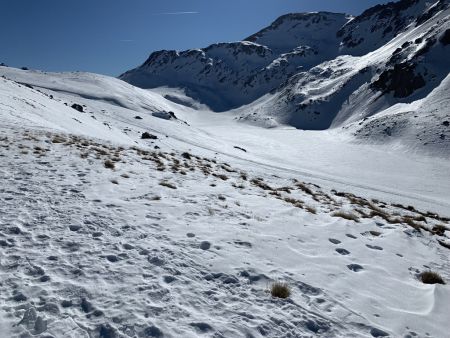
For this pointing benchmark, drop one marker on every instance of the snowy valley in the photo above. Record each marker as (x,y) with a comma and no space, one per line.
(166,202)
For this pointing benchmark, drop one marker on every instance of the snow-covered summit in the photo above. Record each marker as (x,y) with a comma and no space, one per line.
(228,75)
(317,30)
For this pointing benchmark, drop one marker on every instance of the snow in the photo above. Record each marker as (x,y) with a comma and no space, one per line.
(89,251)
(106,234)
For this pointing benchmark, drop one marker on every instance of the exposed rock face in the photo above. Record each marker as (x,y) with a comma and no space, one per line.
(445,38)
(401,80)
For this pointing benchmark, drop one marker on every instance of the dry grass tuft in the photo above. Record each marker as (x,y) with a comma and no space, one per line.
(346,215)
(280,290)
(167,185)
(410,221)
(109,164)
(439,230)
(259,182)
(221,176)
(430,277)
(311,210)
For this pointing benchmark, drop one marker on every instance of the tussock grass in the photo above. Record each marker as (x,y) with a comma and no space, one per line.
(259,182)
(221,176)
(280,290)
(439,230)
(311,210)
(296,203)
(410,221)
(167,185)
(430,277)
(109,164)
(346,215)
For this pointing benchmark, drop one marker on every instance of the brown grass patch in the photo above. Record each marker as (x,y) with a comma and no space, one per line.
(167,185)
(280,290)
(109,164)
(430,277)
(346,215)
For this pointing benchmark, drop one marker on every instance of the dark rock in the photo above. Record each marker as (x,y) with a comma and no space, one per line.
(186,155)
(148,136)
(401,80)
(78,107)
(165,115)
(445,38)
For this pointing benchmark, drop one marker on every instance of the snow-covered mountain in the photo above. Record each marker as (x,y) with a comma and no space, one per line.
(130,212)
(323,70)
(227,75)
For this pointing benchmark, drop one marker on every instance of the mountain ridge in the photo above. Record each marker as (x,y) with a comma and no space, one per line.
(390,54)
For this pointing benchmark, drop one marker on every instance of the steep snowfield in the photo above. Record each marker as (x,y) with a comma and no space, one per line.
(104,234)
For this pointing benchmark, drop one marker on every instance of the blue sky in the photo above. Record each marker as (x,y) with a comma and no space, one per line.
(112,36)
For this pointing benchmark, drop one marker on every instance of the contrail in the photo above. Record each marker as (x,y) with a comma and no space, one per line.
(176,13)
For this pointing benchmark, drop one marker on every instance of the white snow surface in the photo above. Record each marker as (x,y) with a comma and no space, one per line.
(167,244)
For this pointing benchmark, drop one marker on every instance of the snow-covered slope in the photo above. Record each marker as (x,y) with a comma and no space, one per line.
(137,213)
(322,70)
(105,234)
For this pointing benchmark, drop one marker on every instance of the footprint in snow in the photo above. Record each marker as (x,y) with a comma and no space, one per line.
(205,245)
(374,247)
(112,258)
(355,267)
(202,327)
(342,251)
(378,333)
(334,241)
